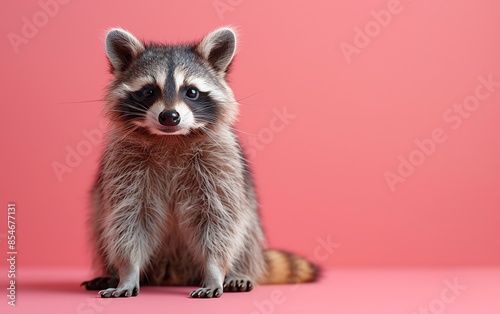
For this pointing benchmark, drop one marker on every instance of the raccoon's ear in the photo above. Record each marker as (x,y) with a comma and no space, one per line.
(218,48)
(122,49)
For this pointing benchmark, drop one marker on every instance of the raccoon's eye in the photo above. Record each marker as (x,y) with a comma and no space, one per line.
(192,93)
(145,93)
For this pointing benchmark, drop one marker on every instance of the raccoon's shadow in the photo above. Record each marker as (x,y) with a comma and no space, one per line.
(53,286)
(73,287)
(167,290)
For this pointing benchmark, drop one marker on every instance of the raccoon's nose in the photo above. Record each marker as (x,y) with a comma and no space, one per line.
(169,118)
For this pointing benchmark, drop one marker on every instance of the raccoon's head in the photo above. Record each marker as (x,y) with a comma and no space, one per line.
(170,89)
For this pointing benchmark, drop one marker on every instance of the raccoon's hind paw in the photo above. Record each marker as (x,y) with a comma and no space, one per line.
(237,285)
(124,292)
(204,293)
(101,283)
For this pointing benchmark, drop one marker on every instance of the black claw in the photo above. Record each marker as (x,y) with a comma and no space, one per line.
(249,286)
(217,293)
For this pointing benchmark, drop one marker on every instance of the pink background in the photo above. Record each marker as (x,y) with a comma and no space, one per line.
(321,175)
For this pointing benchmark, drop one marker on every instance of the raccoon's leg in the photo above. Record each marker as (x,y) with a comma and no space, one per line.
(217,241)
(212,281)
(134,233)
(238,278)
(248,267)
(214,244)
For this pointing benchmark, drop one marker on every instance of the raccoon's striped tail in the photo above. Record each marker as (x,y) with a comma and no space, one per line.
(283,268)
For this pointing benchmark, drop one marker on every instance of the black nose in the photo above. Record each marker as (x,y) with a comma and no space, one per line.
(169,118)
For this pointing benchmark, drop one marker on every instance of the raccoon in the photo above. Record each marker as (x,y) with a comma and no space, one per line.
(174,202)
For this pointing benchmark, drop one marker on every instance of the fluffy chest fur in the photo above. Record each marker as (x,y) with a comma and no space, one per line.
(178,188)
(172,175)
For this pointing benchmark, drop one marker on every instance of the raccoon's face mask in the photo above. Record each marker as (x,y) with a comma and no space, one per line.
(171,89)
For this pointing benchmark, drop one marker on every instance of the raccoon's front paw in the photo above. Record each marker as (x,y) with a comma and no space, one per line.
(101,283)
(121,292)
(237,285)
(210,292)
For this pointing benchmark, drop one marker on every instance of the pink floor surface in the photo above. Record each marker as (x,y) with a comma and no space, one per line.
(340,290)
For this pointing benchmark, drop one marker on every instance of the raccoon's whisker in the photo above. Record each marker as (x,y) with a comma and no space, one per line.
(125,113)
(80,102)
(136,108)
(139,104)
(122,110)
(207,132)
(139,107)
(242,132)
(131,117)
(202,117)
(238,100)
(207,120)
(127,129)
(128,111)
(185,114)
(198,110)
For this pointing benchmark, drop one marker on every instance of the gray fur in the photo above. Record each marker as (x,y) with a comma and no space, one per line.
(174,209)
